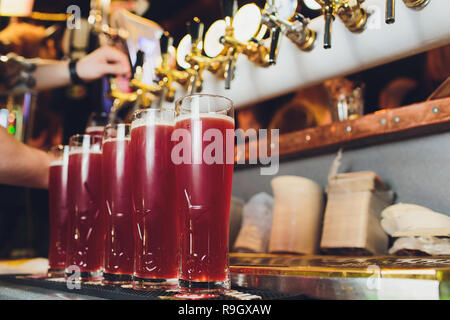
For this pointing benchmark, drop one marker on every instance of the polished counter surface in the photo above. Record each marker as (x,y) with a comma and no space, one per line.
(277,276)
(343,277)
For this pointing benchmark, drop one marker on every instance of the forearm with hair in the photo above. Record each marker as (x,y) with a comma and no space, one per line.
(21,165)
(51,74)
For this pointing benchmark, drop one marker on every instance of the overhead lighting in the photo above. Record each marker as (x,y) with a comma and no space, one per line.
(16,8)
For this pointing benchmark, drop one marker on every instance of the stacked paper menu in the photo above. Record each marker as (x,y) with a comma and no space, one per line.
(352,216)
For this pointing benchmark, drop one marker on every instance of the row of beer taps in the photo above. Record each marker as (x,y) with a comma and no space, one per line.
(250,31)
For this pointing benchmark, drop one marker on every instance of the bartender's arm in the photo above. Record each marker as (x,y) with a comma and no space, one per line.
(21,165)
(106,60)
(18,75)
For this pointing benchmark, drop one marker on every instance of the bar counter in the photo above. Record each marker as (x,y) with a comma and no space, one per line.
(278,276)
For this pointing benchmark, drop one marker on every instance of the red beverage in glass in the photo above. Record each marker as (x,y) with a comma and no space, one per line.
(116,166)
(204,195)
(86,227)
(58,212)
(156,231)
(95,131)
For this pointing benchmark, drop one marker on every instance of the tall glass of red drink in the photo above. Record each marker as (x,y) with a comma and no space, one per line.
(86,237)
(156,224)
(118,207)
(58,210)
(204,158)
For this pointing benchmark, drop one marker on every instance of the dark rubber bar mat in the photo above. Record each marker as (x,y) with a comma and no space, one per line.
(128,293)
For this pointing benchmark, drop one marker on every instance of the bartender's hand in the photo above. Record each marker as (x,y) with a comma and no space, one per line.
(103,61)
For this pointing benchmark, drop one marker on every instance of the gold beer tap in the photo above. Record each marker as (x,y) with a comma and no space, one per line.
(147,93)
(229,8)
(281,16)
(350,12)
(166,74)
(226,39)
(142,95)
(194,57)
(191,58)
(119,97)
(413,4)
(196,61)
(237,41)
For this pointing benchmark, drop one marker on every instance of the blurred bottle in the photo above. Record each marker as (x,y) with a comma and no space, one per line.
(346,97)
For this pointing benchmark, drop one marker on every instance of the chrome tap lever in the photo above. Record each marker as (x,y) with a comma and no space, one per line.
(230,69)
(274,44)
(350,13)
(196,59)
(328,12)
(413,4)
(292,24)
(229,9)
(390,11)
(329,18)
(192,84)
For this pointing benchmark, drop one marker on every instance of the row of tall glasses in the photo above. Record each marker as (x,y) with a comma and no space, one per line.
(147,203)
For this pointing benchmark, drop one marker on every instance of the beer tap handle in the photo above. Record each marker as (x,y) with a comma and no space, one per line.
(328,11)
(275,41)
(229,8)
(327,35)
(390,11)
(165,42)
(139,59)
(195,29)
(230,69)
(137,68)
(192,85)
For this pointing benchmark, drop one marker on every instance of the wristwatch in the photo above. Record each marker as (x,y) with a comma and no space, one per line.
(73,72)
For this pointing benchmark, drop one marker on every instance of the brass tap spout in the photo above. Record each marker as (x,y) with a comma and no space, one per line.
(413,4)
(166,73)
(294,27)
(329,12)
(350,12)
